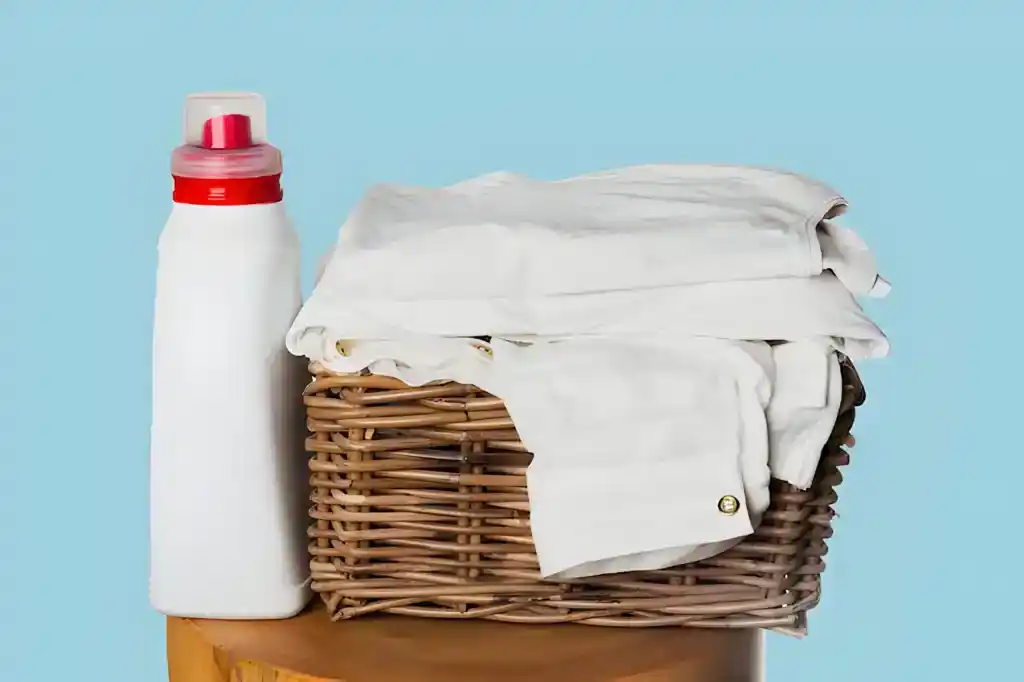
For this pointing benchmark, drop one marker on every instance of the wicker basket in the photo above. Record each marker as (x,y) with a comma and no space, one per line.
(420,508)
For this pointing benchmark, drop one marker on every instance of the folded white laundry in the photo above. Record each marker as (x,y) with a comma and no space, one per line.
(636,227)
(628,339)
(787,309)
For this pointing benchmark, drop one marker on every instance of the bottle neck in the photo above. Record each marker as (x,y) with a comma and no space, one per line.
(228,191)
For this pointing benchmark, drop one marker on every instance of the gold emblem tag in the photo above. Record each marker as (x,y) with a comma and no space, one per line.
(728,505)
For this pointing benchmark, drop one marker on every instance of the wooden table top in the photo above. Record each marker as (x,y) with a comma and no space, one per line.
(311,648)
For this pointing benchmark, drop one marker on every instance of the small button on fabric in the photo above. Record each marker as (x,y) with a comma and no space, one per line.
(340,347)
(728,505)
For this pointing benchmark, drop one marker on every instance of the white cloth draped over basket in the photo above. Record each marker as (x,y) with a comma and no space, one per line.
(685,319)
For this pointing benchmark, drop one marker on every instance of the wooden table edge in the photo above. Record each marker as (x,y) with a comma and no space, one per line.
(195,655)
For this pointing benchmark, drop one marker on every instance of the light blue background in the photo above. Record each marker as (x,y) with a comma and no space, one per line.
(913,113)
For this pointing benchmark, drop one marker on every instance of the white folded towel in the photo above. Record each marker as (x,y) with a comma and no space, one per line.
(628,339)
(505,235)
(788,309)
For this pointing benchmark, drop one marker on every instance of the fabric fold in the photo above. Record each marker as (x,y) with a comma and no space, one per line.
(803,409)
(631,228)
(632,435)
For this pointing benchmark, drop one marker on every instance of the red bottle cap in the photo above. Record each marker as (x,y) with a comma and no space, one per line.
(229,131)
(226,159)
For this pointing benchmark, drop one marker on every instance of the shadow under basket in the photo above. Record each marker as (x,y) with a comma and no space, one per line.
(420,509)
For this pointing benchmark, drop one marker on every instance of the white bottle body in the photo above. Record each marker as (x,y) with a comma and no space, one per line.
(228,475)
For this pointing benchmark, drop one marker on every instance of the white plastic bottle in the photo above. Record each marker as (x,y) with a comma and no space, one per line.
(228,476)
